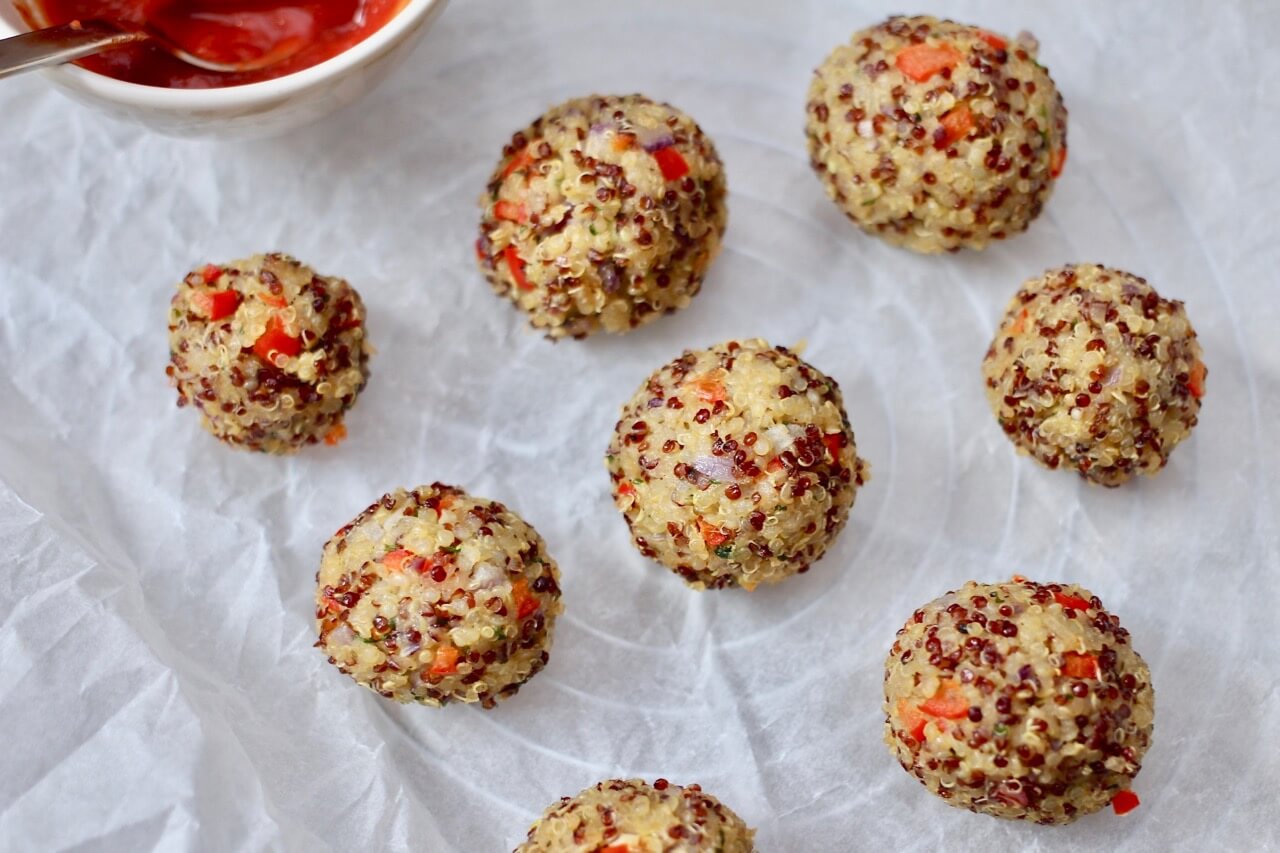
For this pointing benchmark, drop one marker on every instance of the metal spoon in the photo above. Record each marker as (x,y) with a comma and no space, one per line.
(67,42)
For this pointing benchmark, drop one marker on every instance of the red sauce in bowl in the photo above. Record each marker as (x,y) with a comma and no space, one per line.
(225,31)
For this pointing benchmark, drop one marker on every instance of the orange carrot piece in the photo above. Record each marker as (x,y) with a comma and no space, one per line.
(216,304)
(395,560)
(922,61)
(526,602)
(957,123)
(1077,665)
(515,265)
(948,702)
(1124,802)
(445,660)
(1020,323)
(1074,602)
(1057,160)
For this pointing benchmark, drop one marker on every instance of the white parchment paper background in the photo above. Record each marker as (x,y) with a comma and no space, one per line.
(158,688)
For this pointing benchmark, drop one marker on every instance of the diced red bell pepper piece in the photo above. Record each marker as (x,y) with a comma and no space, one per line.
(526,602)
(512,211)
(712,535)
(515,264)
(1077,665)
(520,160)
(672,163)
(1019,323)
(210,273)
(273,300)
(1124,802)
(709,389)
(625,488)
(276,340)
(616,848)
(913,719)
(949,702)
(1074,602)
(922,61)
(214,305)
(834,442)
(445,660)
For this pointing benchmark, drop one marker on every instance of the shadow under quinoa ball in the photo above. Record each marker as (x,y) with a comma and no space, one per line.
(735,465)
(1092,370)
(632,816)
(603,214)
(935,135)
(271,353)
(1019,700)
(433,596)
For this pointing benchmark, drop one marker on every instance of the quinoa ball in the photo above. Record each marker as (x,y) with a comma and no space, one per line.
(1092,370)
(1019,700)
(735,465)
(602,214)
(435,596)
(935,135)
(632,816)
(271,353)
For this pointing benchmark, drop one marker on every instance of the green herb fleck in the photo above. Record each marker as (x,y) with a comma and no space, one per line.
(500,633)
(592,229)
(452,549)
(1001,729)
(636,481)
(724,552)
(869,202)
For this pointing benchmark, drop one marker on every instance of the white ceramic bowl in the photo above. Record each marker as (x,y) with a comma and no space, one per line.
(261,109)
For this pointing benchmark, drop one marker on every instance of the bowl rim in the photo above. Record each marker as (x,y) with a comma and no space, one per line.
(410,15)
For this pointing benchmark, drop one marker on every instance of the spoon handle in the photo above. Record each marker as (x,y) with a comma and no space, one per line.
(55,45)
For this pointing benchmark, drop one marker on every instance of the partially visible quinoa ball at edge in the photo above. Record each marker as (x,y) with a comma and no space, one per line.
(934,135)
(604,213)
(433,595)
(271,353)
(1019,700)
(735,465)
(1092,370)
(636,817)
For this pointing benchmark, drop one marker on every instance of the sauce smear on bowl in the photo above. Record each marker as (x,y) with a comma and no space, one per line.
(301,33)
